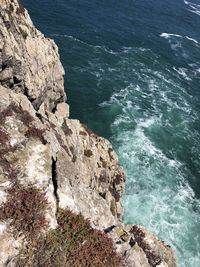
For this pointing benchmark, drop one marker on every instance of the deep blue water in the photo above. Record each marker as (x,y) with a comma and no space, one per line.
(133,76)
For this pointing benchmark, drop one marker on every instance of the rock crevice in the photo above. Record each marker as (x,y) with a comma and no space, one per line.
(54,179)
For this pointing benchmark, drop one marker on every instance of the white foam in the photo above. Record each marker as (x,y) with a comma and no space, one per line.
(96,47)
(195,8)
(163,206)
(192,5)
(127,49)
(148,122)
(197,12)
(192,39)
(177,44)
(121,119)
(168,35)
(182,72)
(157,195)
(195,67)
(198,70)
(69,37)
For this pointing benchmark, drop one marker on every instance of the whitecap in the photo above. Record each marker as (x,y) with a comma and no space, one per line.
(197,12)
(192,5)
(192,39)
(183,73)
(157,195)
(195,8)
(197,70)
(96,47)
(176,43)
(167,35)
(69,37)
(121,119)
(147,123)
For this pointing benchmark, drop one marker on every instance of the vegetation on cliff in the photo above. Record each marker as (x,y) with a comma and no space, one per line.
(73,243)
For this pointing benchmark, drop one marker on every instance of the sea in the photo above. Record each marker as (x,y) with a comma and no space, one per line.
(133,76)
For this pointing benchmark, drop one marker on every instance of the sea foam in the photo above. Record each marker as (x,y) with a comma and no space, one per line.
(157,194)
(195,8)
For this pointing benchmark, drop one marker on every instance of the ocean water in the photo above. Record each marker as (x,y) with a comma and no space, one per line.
(133,76)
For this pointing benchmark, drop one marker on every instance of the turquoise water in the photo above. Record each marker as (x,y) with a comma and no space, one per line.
(132,75)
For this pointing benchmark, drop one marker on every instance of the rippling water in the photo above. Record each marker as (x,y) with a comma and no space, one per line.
(133,73)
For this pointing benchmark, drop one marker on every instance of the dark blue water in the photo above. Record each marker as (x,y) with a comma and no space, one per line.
(133,76)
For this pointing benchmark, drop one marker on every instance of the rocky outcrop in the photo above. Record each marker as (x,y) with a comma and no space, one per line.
(29,62)
(41,148)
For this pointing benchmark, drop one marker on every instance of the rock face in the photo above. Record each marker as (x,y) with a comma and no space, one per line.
(40,146)
(29,62)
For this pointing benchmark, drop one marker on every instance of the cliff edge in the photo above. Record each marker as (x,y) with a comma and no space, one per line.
(53,167)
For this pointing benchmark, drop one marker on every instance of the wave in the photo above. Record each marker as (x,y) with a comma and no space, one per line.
(123,50)
(183,73)
(195,8)
(168,35)
(192,39)
(157,194)
(181,46)
(158,191)
(98,47)
(175,41)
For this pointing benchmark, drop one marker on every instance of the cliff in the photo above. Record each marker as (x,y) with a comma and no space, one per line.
(53,167)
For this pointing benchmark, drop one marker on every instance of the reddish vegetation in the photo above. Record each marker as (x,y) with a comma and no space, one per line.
(24,208)
(25,211)
(97,252)
(118,179)
(23,115)
(4,137)
(35,133)
(73,243)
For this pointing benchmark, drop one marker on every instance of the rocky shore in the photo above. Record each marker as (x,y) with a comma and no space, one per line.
(50,163)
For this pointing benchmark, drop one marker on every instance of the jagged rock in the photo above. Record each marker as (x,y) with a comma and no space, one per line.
(40,146)
(140,247)
(29,62)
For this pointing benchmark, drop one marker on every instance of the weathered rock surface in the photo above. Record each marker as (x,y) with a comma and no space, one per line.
(29,62)
(41,146)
